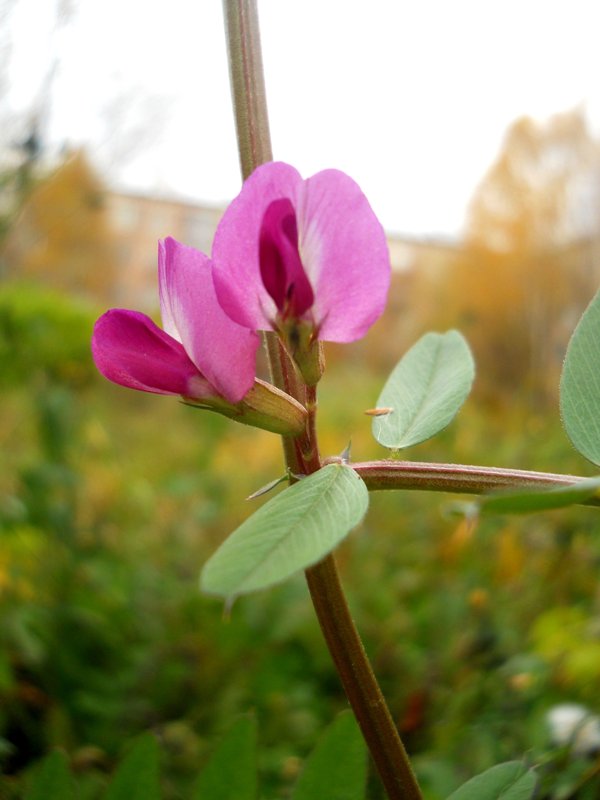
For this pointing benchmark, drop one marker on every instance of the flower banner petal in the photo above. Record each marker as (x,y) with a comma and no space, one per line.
(129,349)
(341,244)
(223,351)
(345,253)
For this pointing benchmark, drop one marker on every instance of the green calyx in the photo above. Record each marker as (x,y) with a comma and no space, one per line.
(301,342)
(264,406)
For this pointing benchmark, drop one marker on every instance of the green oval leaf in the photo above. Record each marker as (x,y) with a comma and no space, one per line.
(425,390)
(580,384)
(231,773)
(510,781)
(289,533)
(526,502)
(337,767)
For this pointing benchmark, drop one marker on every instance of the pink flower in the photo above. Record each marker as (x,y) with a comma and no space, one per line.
(290,251)
(201,353)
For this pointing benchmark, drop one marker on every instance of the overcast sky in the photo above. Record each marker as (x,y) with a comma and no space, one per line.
(410,98)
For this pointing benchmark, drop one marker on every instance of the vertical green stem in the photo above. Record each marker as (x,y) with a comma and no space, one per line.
(247,83)
(302,454)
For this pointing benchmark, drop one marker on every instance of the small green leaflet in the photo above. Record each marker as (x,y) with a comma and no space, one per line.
(267,487)
(52,780)
(337,767)
(289,533)
(580,384)
(231,773)
(425,390)
(510,781)
(137,775)
(532,500)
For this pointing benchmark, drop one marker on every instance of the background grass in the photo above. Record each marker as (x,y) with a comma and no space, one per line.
(110,502)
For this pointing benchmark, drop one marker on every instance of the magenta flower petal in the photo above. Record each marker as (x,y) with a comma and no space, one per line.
(281,269)
(346,256)
(236,246)
(340,244)
(129,349)
(223,351)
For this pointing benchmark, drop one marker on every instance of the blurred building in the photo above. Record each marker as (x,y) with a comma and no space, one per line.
(139,221)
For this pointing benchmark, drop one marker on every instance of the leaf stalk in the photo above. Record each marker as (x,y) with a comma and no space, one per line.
(457,478)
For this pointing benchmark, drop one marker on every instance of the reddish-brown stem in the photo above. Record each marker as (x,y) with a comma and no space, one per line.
(310,453)
(360,684)
(302,453)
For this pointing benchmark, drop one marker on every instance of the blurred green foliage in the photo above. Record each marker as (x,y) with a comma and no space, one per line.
(43,333)
(110,502)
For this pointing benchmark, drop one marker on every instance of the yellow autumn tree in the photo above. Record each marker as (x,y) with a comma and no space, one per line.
(533,197)
(526,269)
(62,237)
